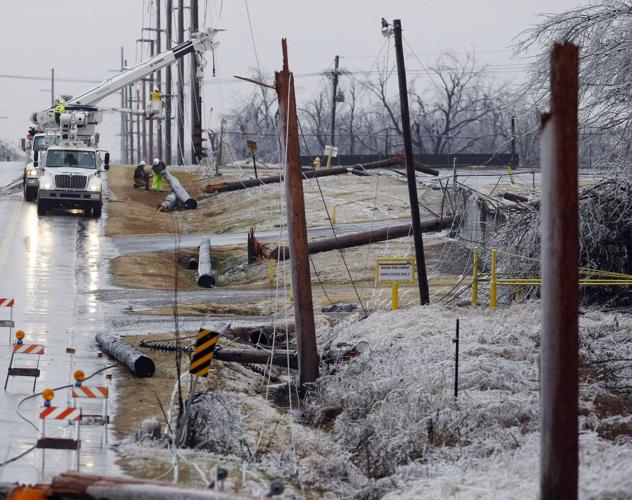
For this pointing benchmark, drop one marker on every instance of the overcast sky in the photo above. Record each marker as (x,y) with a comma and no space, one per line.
(81,39)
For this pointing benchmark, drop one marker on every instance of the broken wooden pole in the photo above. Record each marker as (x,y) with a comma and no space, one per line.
(261,357)
(135,361)
(297,227)
(205,269)
(515,197)
(225,187)
(422,277)
(559,388)
(184,197)
(366,237)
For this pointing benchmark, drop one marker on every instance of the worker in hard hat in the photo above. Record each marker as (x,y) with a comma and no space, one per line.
(159,169)
(60,107)
(142,176)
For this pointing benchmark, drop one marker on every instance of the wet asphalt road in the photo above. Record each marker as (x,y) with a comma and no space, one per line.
(53,267)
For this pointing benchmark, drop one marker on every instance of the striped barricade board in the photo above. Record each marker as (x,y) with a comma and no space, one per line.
(90,392)
(203,352)
(7,302)
(25,371)
(59,414)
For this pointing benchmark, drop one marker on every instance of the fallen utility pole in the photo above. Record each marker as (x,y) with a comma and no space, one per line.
(225,187)
(422,277)
(297,227)
(559,388)
(366,237)
(91,487)
(204,267)
(135,361)
(182,194)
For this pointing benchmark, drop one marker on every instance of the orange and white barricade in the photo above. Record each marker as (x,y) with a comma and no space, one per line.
(8,303)
(58,414)
(23,350)
(83,395)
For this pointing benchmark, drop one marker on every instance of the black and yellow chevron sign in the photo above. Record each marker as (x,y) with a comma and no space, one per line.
(203,353)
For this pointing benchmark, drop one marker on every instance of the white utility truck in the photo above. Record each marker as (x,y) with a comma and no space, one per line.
(69,169)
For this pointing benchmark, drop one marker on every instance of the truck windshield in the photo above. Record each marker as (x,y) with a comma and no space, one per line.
(74,159)
(39,143)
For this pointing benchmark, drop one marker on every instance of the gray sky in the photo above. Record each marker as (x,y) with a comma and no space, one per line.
(91,33)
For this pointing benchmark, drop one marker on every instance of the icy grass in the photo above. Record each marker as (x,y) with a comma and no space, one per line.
(386,423)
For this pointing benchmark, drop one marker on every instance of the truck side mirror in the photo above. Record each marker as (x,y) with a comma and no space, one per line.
(106,164)
(35,158)
(23,144)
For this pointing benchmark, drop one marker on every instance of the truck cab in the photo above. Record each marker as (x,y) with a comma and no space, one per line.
(71,177)
(34,148)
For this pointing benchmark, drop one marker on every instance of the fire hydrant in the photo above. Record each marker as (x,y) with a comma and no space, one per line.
(316,163)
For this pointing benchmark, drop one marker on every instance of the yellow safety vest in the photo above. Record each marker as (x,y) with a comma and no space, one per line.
(60,108)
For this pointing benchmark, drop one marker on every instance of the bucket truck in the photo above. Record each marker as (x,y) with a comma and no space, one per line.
(70,169)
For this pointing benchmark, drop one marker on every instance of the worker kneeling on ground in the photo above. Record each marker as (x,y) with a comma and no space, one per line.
(159,169)
(142,176)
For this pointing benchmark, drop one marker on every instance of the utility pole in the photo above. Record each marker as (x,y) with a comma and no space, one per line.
(148,145)
(513,141)
(123,116)
(297,227)
(130,139)
(220,149)
(159,75)
(334,78)
(52,87)
(422,277)
(168,85)
(180,115)
(196,99)
(139,151)
(559,365)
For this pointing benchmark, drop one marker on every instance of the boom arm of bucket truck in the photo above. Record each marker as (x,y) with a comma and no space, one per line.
(81,110)
(199,44)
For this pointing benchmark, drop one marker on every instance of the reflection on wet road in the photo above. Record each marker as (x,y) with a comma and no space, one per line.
(53,267)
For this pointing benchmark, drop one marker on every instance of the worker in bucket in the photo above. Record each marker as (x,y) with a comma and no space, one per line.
(60,108)
(142,176)
(159,169)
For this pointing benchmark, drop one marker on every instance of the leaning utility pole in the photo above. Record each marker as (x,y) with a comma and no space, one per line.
(159,78)
(130,117)
(168,85)
(422,277)
(297,227)
(513,142)
(196,99)
(180,115)
(334,78)
(559,387)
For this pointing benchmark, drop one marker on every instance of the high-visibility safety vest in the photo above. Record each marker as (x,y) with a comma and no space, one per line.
(156,95)
(60,108)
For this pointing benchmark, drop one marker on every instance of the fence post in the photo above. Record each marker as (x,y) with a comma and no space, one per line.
(492,283)
(475,278)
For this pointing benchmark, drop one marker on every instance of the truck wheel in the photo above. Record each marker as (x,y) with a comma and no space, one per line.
(30,193)
(41,208)
(96,212)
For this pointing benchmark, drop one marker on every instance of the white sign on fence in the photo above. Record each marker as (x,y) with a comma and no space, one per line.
(400,271)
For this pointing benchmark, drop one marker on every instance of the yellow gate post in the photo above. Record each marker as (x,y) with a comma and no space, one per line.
(492,284)
(475,278)
(271,272)
(333,214)
(395,298)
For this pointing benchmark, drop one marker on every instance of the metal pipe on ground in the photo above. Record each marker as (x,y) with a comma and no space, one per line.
(184,197)
(205,270)
(226,187)
(366,237)
(135,361)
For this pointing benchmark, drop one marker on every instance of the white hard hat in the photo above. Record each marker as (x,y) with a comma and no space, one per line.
(141,163)
(156,161)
